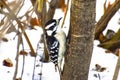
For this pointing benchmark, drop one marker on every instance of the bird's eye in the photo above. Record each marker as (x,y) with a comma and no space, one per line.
(52,27)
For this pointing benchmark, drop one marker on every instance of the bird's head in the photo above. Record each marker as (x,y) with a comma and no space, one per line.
(51,26)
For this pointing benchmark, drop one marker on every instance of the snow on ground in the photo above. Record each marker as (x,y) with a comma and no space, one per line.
(8,50)
(104,60)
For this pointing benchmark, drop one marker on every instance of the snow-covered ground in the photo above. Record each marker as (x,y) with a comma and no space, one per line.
(8,50)
(105,60)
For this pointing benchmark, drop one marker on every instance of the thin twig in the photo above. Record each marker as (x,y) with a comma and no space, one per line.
(35,62)
(27,12)
(20,26)
(99,76)
(34,69)
(117,69)
(15,9)
(41,65)
(17,57)
(68,1)
(23,66)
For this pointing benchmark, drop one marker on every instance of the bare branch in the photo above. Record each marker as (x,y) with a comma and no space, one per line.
(110,45)
(17,57)
(68,1)
(20,26)
(117,69)
(113,43)
(7,27)
(102,23)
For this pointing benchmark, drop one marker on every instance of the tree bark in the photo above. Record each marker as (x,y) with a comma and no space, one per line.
(81,40)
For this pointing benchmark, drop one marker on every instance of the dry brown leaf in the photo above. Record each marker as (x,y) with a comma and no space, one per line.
(7,62)
(23,53)
(99,68)
(4,39)
(62,5)
(117,52)
(64,8)
(34,22)
(101,37)
(18,79)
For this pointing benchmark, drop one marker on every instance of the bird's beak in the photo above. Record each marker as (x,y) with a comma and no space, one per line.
(59,20)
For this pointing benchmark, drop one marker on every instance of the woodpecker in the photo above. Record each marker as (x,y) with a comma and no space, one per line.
(56,42)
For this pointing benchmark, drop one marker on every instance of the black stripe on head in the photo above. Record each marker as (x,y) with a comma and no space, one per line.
(52,24)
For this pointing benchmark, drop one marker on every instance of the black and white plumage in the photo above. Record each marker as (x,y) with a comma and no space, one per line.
(56,42)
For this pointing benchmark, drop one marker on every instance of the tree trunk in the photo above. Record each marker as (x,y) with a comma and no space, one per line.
(81,40)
